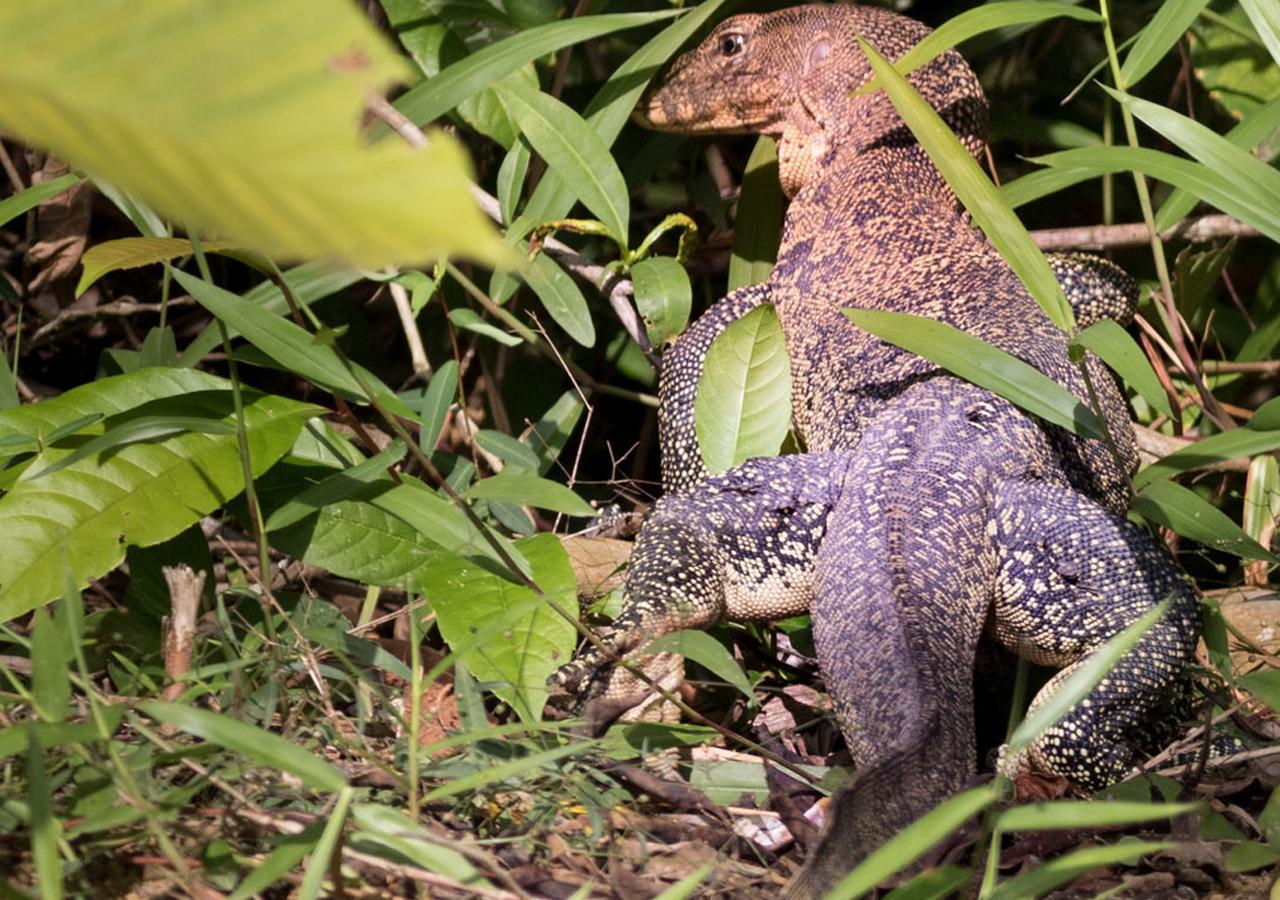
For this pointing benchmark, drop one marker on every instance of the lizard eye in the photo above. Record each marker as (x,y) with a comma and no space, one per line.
(732,44)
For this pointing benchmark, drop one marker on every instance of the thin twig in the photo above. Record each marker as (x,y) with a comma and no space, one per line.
(1135,234)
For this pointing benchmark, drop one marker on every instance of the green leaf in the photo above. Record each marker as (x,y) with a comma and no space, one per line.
(1269,819)
(1158,36)
(988,17)
(976,361)
(1115,347)
(393,830)
(1206,451)
(1046,876)
(932,884)
(497,773)
(706,651)
(1261,498)
(975,191)
(912,842)
(1041,183)
(1253,182)
(1265,685)
(511,175)
(1173,506)
(528,489)
(440,395)
(12,207)
(1216,189)
(663,297)
(1232,64)
(338,486)
(1265,17)
(328,849)
(46,830)
(1081,681)
(261,746)
(469,320)
(294,348)
(757,225)
(561,298)
(8,383)
(572,148)
(290,849)
(50,666)
(505,447)
(142,494)
(1086,814)
(436,96)
(292,78)
(1246,857)
(523,636)
(130,253)
(743,405)
(136,430)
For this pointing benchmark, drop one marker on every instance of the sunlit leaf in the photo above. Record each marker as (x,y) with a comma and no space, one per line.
(130,253)
(757,226)
(706,651)
(528,489)
(1174,506)
(663,296)
(1115,347)
(1167,26)
(1048,875)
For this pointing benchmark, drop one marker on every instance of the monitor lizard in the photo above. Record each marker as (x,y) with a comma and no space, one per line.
(925,506)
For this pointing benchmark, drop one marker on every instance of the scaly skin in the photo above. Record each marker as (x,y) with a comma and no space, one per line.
(927,506)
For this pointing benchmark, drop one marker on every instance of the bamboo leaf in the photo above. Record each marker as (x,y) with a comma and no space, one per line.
(338,486)
(1115,347)
(1086,814)
(12,207)
(1206,451)
(1158,36)
(1174,506)
(1265,16)
(982,364)
(1046,876)
(976,192)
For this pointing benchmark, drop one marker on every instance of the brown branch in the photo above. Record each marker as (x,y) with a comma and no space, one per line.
(1103,237)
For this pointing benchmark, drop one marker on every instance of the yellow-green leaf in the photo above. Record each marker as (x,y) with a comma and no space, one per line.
(130,253)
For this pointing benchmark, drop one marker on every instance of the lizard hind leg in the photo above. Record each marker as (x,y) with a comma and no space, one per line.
(1072,575)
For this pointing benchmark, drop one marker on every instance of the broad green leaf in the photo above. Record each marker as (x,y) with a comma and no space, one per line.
(663,297)
(338,486)
(292,79)
(434,97)
(495,774)
(706,651)
(1158,36)
(1086,814)
(561,297)
(743,405)
(975,360)
(572,148)
(328,850)
(611,106)
(441,393)
(1174,506)
(12,207)
(988,17)
(307,282)
(1227,445)
(1081,681)
(1216,189)
(469,320)
(44,827)
(1253,181)
(261,746)
(757,225)
(1265,16)
(469,601)
(975,191)
(393,829)
(1048,875)
(1247,856)
(1265,685)
(142,494)
(301,352)
(130,253)
(1232,63)
(528,489)
(1115,347)
(912,842)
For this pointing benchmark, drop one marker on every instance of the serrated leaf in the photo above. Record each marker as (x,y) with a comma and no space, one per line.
(572,148)
(975,191)
(982,364)
(1201,181)
(12,207)
(757,226)
(142,494)
(663,297)
(292,78)
(263,747)
(528,489)
(130,253)
(1046,876)
(1158,36)
(1174,506)
(530,636)
(706,651)
(743,405)
(912,842)
(1115,347)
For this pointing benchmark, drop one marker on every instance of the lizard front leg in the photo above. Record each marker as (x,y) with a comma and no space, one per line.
(739,546)
(1072,575)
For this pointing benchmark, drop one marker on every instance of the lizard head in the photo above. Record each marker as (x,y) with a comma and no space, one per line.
(794,74)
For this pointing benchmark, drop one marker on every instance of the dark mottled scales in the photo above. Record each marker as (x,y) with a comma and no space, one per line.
(927,509)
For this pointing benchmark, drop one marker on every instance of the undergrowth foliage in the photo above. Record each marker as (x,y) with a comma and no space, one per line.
(310,422)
